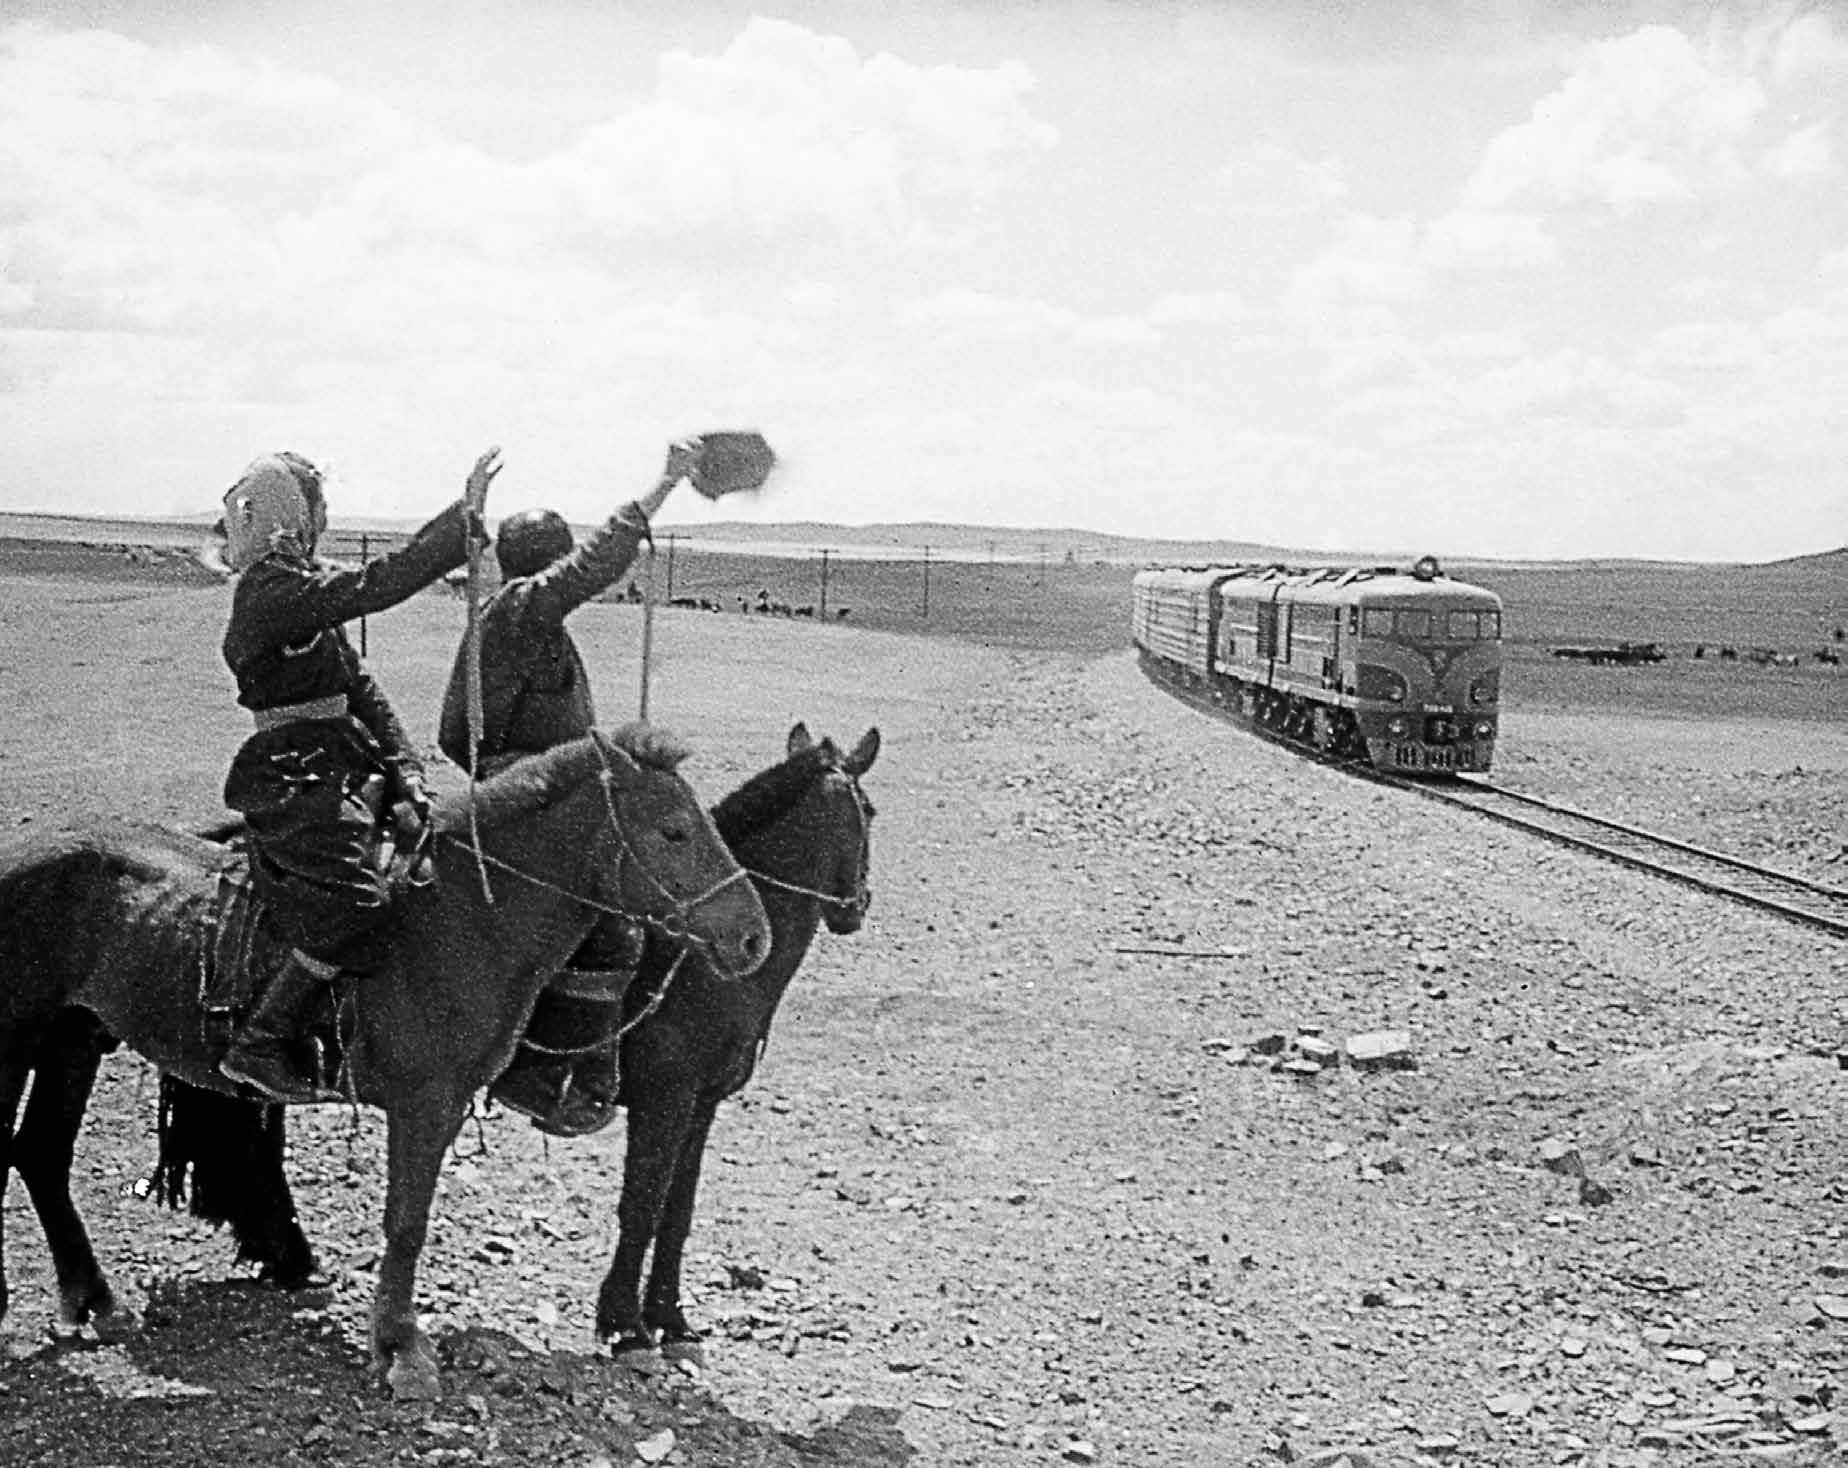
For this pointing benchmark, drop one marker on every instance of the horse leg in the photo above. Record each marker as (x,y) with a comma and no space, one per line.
(42,1151)
(418,1132)
(661,1306)
(657,1129)
(13,1074)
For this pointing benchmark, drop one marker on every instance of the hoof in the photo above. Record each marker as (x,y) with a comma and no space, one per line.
(291,1282)
(688,1349)
(413,1377)
(637,1351)
(115,1325)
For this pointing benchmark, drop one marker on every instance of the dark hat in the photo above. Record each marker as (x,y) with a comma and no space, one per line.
(530,541)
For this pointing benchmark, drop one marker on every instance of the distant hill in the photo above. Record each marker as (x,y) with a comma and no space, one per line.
(897,541)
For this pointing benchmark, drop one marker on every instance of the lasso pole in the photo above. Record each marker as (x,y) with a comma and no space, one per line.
(648,606)
(476,500)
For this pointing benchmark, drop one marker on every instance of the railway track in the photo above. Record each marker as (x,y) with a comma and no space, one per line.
(1793,898)
(1710,871)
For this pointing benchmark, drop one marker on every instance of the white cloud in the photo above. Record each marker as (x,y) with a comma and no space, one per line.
(1575,386)
(1207,308)
(787,135)
(1372,362)
(1372,264)
(1467,239)
(1803,154)
(1703,346)
(1264,180)
(1479,346)
(1645,118)
(976,316)
(1813,43)
(195,189)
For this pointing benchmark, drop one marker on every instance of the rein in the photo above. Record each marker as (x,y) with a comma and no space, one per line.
(862,898)
(674,925)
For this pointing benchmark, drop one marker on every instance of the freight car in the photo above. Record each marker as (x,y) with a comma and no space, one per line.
(1402,669)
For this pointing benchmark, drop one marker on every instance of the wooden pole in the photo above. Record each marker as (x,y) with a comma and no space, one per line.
(824,587)
(926,583)
(648,606)
(365,557)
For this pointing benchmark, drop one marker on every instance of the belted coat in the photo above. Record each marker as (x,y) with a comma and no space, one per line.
(300,782)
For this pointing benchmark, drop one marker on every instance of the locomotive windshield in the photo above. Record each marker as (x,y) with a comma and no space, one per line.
(1418,624)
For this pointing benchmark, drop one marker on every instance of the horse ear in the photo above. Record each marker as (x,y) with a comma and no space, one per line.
(864,753)
(799,739)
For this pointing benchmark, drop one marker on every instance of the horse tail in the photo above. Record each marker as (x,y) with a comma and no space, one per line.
(227,1154)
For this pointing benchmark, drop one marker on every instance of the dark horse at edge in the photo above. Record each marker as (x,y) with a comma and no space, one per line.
(801,830)
(101,941)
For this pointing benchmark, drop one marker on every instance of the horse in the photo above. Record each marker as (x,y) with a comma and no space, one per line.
(102,942)
(801,830)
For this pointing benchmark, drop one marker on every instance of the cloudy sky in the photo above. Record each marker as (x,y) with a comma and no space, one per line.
(1503,277)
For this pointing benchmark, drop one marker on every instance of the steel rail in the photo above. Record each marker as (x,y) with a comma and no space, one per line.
(1794,898)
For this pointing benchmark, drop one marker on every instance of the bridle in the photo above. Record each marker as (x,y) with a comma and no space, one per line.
(862,896)
(675,924)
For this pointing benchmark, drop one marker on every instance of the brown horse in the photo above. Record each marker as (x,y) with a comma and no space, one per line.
(801,830)
(101,934)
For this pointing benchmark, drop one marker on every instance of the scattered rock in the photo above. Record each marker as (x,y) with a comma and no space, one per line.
(1381,1050)
(1561,1157)
(1314,1048)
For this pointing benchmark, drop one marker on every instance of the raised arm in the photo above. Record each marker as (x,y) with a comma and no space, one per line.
(296,602)
(594,566)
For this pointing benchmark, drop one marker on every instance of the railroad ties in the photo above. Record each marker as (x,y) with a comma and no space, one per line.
(1710,871)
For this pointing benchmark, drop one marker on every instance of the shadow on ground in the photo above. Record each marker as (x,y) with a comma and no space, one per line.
(230,1373)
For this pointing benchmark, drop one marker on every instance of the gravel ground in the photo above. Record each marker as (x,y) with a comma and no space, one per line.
(1007,1191)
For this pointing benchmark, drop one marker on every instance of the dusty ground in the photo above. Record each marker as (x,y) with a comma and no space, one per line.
(1007,1193)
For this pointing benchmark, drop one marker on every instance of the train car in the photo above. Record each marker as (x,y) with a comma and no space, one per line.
(1400,668)
(1173,618)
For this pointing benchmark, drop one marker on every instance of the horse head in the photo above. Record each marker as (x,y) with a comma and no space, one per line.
(839,816)
(671,868)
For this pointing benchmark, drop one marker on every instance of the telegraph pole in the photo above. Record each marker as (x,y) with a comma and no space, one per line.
(926,583)
(365,555)
(824,587)
(670,567)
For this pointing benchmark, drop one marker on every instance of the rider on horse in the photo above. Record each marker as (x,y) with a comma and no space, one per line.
(328,756)
(535,693)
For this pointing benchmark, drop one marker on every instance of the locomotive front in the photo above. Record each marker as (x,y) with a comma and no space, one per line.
(1426,677)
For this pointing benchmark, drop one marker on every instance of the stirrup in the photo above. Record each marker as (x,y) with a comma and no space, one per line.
(284,1085)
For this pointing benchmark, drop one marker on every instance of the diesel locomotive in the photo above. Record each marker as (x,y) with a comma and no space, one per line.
(1402,669)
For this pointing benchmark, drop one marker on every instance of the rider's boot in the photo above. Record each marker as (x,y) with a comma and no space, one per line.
(564,1074)
(263,1053)
(589,1102)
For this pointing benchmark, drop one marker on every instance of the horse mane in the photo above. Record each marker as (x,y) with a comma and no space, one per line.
(767,797)
(536,781)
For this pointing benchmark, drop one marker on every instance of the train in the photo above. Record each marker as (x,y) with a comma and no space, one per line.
(1400,669)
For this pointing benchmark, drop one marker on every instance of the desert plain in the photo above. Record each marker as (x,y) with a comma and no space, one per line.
(1015,1182)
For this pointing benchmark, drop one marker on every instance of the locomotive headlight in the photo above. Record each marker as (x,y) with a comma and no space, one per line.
(1484,729)
(1397,727)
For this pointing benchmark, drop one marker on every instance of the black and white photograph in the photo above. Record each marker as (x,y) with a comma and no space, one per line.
(971,734)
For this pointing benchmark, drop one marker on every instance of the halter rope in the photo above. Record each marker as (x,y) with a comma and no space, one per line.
(862,899)
(672,926)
